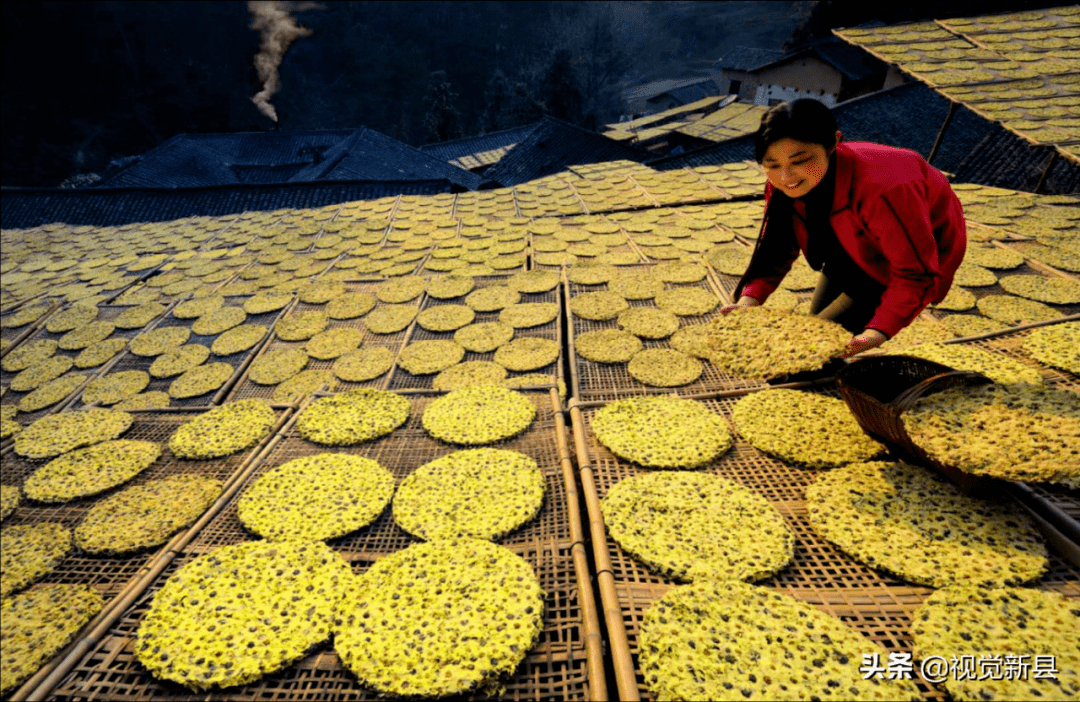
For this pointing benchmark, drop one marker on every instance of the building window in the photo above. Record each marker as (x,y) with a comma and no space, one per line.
(733,89)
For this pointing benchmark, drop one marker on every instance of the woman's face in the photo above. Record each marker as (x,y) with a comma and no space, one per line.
(796,167)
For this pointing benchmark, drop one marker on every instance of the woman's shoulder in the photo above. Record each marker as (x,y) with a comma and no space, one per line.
(868,156)
(874,169)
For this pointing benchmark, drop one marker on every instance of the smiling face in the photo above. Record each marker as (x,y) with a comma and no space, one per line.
(796,167)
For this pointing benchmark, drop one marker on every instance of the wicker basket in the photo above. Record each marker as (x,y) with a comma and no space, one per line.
(880,389)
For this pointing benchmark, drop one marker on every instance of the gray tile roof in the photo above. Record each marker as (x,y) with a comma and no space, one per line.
(908,116)
(747,58)
(452,150)
(1005,160)
(728,151)
(29,207)
(247,157)
(208,160)
(369,155)
(267,174)
(854,63)
(552,147)
(180,162)
(687,94)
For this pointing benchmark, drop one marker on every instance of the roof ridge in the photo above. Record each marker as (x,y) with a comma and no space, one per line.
(452,142)
(333,156)
(564,123)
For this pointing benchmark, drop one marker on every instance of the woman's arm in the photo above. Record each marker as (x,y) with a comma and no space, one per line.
(899,220)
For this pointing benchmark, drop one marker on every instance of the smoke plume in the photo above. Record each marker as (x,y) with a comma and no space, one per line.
(277,31)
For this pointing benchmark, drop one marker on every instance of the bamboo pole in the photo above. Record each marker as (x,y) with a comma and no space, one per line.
(409,331)
(32,327)
(45,671)
(1013,330)
(594,648)
(1046,168)
(575,381)
(20,303)
(1037,265)
(941,132)
(241,372)
(69,403)
(563,360)
(636,249)
(619,644)
(228,392)
(1062,521)
(140,583)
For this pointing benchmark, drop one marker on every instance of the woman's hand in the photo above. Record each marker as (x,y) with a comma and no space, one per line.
(744,301)
(871,338)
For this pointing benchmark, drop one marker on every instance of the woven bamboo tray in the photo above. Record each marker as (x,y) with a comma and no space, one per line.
(49,297)
(1028,267)
(115,577)
(403,381)
(591,381)
(726,282)
(877,605)
(567,663)
(1010,344)
(864,388)
(16,335)
(244,388)
(106,313)
(1023,248)
(239,361)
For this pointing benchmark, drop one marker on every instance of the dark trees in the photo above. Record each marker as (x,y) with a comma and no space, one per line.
(441,116)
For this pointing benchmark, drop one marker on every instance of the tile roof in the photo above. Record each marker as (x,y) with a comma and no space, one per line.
(209,160)
(907,116)
(853,62)
(268,174)
(1003,159)
(748,58)
(273,148)
(245,153)
(180,162)
(599,171)
(1018,69)
(910,116)
(369,155)
(29,207)
(731,150)
(733,120)
(619,130)
(477,151)
(657,87)
(690,93)
(553,146)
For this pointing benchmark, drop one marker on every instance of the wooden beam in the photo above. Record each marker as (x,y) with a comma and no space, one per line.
(1046,169)
(941,132)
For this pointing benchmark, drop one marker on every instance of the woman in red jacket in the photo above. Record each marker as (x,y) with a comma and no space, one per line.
(880,223)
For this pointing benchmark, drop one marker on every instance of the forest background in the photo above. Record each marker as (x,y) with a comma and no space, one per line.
(86,84)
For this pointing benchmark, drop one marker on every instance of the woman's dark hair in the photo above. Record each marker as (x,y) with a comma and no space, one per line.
(804,119)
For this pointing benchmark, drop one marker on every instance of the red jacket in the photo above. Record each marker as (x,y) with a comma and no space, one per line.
(897,218)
